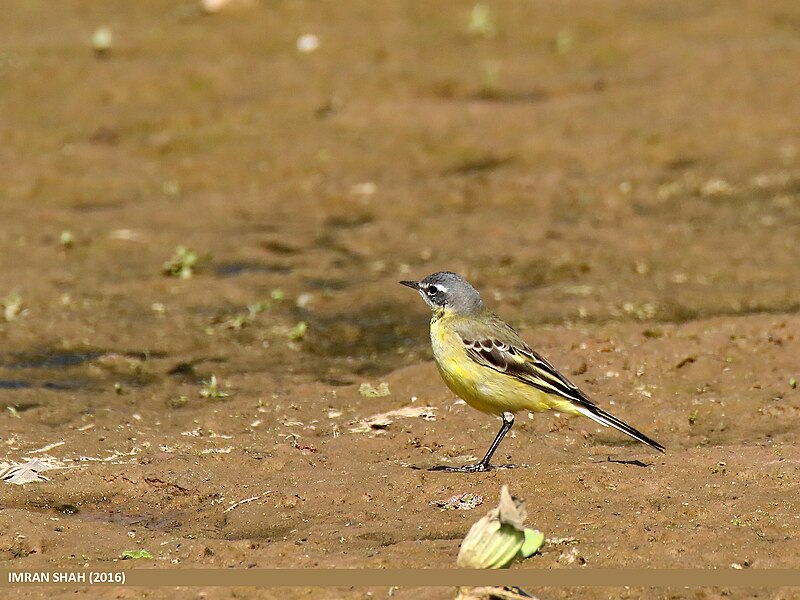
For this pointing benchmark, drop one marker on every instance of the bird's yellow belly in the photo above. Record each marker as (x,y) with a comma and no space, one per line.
(481,387)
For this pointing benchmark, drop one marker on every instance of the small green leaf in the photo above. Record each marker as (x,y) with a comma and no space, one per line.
(66,239)
(367,390)
(481,22)
(490,545)
(533,541)
(12,307)
(184,262)
(298,332)
(102,39)
(256,307)
(563,42)
(212,390)
(133,554)
(499,537)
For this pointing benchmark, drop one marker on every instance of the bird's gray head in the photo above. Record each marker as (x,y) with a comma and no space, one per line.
(448,291)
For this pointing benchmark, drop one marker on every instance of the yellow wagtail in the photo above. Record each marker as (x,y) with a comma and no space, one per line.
(485,362)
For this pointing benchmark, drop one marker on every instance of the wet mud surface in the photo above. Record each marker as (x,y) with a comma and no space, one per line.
(621,181)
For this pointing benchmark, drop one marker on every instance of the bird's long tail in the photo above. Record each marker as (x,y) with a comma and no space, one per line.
(597,414)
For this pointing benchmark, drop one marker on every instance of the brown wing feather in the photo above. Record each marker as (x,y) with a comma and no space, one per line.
(525,365)
(497,346)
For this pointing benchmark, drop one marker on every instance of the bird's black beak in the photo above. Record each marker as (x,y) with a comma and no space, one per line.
(412,284)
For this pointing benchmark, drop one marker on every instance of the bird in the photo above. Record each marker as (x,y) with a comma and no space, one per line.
(487,364)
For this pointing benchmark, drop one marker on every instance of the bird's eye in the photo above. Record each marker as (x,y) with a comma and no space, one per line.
(433,290)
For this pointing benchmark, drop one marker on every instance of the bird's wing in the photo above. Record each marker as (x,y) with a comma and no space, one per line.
(495,345)
(499,347)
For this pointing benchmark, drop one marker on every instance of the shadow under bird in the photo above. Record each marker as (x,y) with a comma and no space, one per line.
(485,362)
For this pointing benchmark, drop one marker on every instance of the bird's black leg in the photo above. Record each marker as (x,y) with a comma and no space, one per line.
(508,422)
(484,465)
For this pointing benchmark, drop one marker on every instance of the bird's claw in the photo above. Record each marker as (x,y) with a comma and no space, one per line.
(476,468)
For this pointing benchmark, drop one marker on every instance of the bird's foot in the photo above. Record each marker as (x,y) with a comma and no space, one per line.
(476,468)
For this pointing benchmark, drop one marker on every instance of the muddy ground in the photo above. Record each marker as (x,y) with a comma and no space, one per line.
(620,179)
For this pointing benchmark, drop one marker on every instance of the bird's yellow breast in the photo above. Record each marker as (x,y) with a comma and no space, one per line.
(481,387)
